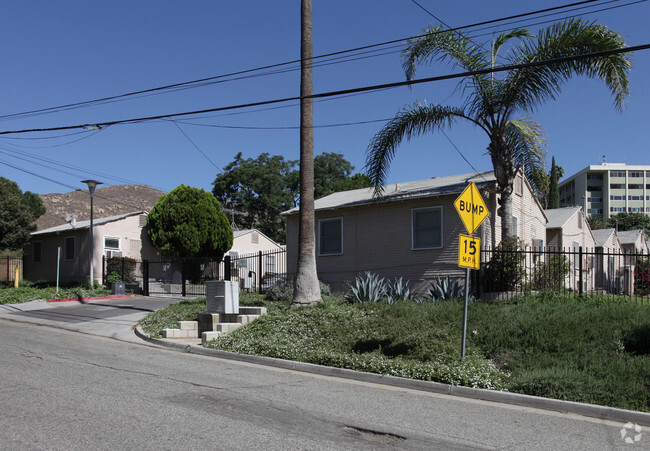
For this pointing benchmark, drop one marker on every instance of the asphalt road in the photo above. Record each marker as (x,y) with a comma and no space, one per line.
(68,383)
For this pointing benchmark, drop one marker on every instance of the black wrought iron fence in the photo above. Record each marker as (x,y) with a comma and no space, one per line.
(186,277)
(575,271)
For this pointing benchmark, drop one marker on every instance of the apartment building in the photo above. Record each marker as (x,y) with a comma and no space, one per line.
(607,189)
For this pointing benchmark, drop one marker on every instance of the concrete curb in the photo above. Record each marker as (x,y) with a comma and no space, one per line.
(556,405)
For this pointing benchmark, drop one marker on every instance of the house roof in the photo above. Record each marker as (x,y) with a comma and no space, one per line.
(433,187)
(602,235)
(558,217)
(238,233)
(629,236)
(80,225)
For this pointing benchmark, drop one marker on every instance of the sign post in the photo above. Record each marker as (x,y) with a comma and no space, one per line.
(472,211)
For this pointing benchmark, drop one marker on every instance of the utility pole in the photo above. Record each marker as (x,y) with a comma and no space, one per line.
(306,290)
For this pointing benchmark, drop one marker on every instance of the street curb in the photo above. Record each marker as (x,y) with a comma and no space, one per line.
(537,402)
(110,296)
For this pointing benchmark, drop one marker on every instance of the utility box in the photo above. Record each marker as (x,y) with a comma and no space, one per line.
(222,296)
(118,288)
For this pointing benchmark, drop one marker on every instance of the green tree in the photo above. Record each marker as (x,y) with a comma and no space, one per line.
(541,184)
(630,221)
(596,222)
(257,191)
(332,173)
(499,103)
(554,190)
(188,222)
(18,214)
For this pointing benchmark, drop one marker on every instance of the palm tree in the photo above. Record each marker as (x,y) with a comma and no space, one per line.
(499,105)
(306,289)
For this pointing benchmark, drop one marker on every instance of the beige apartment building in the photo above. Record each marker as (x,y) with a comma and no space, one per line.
(607,189)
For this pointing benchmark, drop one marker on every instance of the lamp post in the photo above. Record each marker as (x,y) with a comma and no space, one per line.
(92,184)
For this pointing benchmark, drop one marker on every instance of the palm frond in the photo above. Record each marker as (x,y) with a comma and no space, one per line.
(414,121)
(505,37)
(526,139)
(438,44)
(531,86)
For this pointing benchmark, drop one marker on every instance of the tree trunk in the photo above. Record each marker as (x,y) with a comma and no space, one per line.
(306,290)
(505,172)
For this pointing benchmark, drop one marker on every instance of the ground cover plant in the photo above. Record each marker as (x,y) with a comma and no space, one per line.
(30,291)
(591,349)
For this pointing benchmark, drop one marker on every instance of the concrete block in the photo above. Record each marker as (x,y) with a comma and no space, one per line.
(207,336)
(171,333)
(222,296)
(245,319)
(227,327)
(188,325)
(252,310)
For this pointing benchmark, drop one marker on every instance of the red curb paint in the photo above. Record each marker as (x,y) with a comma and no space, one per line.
(110,296)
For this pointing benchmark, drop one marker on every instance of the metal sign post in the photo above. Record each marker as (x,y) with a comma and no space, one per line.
(472,211)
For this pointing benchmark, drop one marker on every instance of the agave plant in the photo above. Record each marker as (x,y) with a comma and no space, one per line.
(368,288)
(399,290)
(444,289)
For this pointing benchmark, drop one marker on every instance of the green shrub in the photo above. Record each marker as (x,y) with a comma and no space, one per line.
(505,271)
(550,275)
(399,290)
(122,267)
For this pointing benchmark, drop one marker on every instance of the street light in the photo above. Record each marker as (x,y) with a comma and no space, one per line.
(92,184)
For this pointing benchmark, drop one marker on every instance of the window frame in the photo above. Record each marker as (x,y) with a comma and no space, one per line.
(65,248)
(40,251)
(338,219)
(414,211)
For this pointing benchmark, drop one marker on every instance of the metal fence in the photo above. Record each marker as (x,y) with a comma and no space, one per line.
(575,271)
(186,277)
(8,267)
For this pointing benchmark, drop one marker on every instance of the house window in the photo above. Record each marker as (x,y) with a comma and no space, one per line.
(330,236)
(68,252)
(36,251)
(519,186)
(515,225)
(427,227)
(112,247)
(270,264)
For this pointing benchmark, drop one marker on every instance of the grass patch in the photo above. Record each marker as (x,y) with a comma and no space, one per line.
(28,291)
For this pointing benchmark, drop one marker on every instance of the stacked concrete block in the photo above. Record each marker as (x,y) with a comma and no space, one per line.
(207,336)
(186,329)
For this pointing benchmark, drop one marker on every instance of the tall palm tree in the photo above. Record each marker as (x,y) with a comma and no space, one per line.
(500,104)
(306,289)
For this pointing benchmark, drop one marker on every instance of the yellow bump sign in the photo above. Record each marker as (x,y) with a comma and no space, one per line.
(469,252)
(471,208)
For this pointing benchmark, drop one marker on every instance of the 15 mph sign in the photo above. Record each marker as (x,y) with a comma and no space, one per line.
(471,208)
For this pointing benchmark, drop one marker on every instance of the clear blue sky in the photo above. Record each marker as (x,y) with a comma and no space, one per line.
(57,53)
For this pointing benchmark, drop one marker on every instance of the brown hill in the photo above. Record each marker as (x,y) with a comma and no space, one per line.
(107,201)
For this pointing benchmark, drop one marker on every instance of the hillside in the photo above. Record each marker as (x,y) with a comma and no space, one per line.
(108,201)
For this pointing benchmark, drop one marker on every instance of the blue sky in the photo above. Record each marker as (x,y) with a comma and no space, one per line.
(57,53)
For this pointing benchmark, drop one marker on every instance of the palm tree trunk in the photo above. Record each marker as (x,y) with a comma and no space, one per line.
(306,290)
(505,172)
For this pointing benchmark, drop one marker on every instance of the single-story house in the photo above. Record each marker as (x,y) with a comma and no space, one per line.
(607,259)
(633,241)
(411,231)
(115,236)
(568,230)
(248,266)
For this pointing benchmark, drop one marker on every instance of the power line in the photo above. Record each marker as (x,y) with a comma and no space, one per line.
(215,79)
(341,92)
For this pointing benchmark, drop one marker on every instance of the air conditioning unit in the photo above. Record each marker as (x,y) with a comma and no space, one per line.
(111,254)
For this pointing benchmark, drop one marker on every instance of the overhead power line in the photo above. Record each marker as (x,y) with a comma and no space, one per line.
(221,78)
(340,92)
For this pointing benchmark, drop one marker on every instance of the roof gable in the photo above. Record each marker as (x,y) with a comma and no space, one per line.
(81,225)
(559,217)
(433,187)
